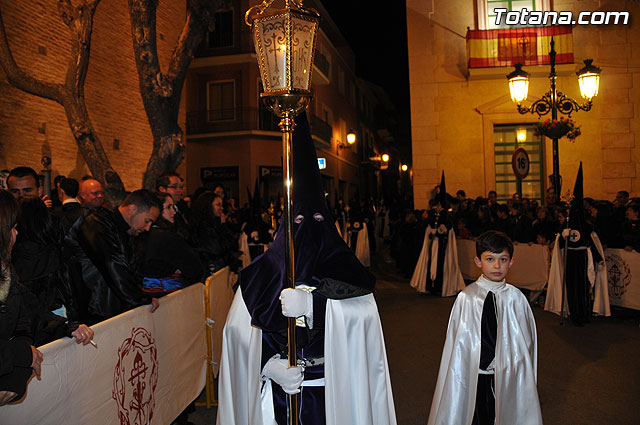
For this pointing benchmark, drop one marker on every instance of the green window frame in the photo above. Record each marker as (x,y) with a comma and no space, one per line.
(505,143)
(511,5)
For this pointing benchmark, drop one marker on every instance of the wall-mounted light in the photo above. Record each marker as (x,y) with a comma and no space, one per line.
(351,139)
(380,158)
(521,134)
(404,168)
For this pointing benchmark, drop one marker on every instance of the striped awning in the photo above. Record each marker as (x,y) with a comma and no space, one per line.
(528,46)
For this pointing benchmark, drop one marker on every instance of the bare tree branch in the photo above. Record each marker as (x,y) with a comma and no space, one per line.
(71,95)
(20,79)
(161,92)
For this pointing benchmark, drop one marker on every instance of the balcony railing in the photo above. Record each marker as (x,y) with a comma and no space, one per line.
(528,46)
(321,129)
(247,119)
(240,42)
(235,119)
(321,62)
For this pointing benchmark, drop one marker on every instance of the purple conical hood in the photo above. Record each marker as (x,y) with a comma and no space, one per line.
(320,252)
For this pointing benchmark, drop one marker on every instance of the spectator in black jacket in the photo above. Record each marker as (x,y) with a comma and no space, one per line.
(37,260)
(543,226)
(217,245)
(102,253)
(18,357)
(167,262)
(518,223)
(631,229)
(70,210)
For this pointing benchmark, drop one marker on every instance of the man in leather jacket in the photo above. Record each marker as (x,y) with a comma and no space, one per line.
(102,257)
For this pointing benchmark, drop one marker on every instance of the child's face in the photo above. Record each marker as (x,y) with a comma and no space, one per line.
(494,265)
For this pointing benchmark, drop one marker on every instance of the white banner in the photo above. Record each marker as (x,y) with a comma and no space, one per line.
(146,370)
(624,288)
(530,264)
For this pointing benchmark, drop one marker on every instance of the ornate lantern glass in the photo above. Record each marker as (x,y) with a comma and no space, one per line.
(285,42)
(518,84)
(589,80)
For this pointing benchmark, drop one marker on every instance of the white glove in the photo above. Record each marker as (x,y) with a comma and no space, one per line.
(278,370)
(296,302)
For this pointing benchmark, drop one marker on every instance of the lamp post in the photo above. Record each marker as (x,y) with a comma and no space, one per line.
(555,101)
(285,42)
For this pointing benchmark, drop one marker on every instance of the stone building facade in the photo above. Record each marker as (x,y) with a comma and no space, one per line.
(458,112)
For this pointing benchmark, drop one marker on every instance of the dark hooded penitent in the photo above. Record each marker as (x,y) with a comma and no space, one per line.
(322,260)
(580,240)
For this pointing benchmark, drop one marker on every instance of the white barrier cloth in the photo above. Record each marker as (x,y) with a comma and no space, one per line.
(530,266)
(624,288)
(146,370)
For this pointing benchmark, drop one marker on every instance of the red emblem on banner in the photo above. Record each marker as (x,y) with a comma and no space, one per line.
(135,378)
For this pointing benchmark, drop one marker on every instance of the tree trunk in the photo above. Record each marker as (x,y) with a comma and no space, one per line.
(161,92)
(70,95)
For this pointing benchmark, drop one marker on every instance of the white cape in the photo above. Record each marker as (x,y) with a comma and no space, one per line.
(357,381)
(598,280)
(362,246)
(244,248)
(515,359)
(452,281)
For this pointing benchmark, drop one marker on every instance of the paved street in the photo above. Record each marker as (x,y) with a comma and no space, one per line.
(587,375)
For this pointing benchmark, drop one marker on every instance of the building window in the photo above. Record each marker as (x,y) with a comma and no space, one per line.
(322,61)
(506,141)
(487,16)
(341,82)
(221,100)
(327,115)
(222,35)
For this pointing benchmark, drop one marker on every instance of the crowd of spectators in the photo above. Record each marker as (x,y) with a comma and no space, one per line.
(617,222)
(70,260)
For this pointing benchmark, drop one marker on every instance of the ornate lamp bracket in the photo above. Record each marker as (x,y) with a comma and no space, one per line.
(564,105)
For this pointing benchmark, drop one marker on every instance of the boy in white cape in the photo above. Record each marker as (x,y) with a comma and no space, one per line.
(489,361)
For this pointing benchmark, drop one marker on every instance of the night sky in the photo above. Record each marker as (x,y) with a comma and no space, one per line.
(377,33)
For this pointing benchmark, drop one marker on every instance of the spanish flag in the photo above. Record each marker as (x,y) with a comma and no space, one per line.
(528,46)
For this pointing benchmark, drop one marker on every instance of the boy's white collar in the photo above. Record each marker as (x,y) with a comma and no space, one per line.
(490,283)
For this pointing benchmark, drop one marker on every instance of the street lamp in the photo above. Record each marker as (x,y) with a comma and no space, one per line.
(285,42)
(351,139)
(554,101)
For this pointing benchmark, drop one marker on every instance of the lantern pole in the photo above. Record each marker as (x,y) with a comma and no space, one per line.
(286,93)
(287,125)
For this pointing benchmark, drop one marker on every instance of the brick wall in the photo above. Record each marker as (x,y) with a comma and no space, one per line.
(31,127)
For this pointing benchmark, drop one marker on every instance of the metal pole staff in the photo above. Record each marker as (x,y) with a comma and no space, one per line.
(287,124)
(564,269)
(554,116)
